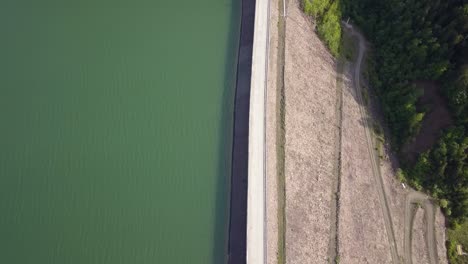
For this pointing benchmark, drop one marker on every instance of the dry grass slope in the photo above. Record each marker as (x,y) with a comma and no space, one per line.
(310,92)
(310,157)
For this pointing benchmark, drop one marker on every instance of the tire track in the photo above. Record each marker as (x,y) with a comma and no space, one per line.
(370,148)
(413,199)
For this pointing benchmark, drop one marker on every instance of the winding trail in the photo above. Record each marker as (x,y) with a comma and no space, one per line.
(413,198)
(370,147)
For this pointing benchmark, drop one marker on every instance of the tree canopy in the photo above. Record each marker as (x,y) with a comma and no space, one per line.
(422,40)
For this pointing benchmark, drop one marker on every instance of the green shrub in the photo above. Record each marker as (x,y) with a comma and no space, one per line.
(401,175)
(307,7)
(328,19)
(443,203)
(451,251)
(329,28)
(318,7)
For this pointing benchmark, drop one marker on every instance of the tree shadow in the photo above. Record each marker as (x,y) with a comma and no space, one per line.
(366,122)
(349,53)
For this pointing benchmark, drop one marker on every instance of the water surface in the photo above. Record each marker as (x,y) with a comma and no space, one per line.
(115,130)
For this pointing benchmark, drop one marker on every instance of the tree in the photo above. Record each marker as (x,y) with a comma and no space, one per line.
(422,40)
(443,203)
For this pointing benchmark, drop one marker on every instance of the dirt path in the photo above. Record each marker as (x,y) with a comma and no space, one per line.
(413,199)
(370,145)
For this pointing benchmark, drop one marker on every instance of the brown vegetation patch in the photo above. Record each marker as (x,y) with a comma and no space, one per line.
(436,119)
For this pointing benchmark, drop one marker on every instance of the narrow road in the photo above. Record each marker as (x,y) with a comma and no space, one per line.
(370,145)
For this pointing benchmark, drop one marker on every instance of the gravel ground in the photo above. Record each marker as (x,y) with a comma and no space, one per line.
(271,140)
(419,250)
(362,235)
(440,237)
(310,92)
(396,198)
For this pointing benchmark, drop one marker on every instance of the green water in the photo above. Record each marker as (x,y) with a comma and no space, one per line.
(116,123)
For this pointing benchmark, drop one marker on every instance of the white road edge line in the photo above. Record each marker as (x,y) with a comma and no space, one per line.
(256,235)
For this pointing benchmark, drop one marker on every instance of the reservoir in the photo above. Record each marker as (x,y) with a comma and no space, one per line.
(116,130)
